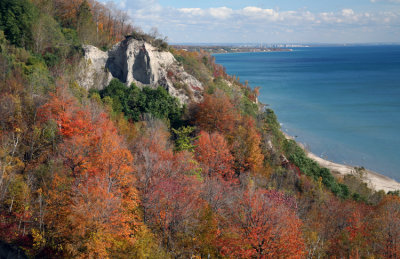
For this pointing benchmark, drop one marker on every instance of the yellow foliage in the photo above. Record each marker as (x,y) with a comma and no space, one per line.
(38,239)
(13,164)
(126,128)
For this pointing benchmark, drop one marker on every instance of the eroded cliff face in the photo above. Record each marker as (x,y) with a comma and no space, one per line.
(133,61)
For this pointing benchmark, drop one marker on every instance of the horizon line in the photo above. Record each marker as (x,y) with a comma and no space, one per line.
(284,43)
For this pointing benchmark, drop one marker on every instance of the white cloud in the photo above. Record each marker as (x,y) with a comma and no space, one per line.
(221,12)
(251,10)
(347,12)
(262,24)
(192,11)
(218,13)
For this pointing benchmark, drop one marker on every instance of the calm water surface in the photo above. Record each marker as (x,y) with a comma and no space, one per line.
(343,103)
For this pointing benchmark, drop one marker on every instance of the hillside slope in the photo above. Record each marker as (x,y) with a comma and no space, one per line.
(113,166)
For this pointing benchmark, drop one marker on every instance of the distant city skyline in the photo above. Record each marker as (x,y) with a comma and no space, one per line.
(273,21)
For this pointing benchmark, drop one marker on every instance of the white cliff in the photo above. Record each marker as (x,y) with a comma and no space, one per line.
(133,61)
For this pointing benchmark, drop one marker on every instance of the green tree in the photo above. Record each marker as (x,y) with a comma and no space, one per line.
(46,33)
(85,25)
(308,166)
(16,19)
(184,139)
(134,102)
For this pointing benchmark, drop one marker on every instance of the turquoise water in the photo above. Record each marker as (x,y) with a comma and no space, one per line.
(343,103)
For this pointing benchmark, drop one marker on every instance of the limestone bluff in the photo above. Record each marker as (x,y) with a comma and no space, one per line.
(136,61)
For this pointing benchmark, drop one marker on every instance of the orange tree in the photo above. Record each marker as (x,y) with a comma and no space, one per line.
(92,205)
(260,226)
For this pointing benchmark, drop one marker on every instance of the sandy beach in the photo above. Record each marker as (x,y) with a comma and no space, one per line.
(375,180)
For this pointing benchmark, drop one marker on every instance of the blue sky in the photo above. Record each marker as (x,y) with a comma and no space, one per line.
(268,21)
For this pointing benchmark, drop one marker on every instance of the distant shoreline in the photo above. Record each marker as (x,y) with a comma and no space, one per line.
(229,49)
(247,52)
(375,181)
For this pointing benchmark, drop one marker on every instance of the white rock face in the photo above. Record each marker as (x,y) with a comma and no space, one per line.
(133,61)
(93,71)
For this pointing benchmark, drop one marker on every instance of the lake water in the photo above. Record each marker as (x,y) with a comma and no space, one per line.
(343,103)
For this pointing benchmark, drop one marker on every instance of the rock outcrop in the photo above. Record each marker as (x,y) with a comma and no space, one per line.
(133,61)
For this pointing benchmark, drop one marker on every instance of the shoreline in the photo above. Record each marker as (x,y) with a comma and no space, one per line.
(230,49)
(248,52)
(375,181)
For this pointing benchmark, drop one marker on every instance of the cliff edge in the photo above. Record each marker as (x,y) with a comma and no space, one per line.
(134,61)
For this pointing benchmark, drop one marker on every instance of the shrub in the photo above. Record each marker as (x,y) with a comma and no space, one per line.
(134,102)
(16,19)
(308,166)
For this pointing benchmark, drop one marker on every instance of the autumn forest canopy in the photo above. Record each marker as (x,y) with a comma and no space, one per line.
(130,172)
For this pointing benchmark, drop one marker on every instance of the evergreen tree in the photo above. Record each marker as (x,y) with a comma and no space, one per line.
(16,19)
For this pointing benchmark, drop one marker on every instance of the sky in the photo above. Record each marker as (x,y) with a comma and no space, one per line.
(268,21)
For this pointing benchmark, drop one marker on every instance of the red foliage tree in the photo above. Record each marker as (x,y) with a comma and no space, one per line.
(217,113)
(357,230)
(169,188)
(92,201)
(352,237)
(260,227)
(173,211)
(246,147)
(387,224)
(214,156)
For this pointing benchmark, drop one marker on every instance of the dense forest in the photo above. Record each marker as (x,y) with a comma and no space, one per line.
(129,172)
